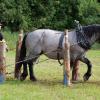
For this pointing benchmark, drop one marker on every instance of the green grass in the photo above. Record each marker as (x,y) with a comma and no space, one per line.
(11,39)
(49,85)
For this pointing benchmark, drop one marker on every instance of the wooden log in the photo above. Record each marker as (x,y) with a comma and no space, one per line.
(2,61)
(18,47)
(66,59)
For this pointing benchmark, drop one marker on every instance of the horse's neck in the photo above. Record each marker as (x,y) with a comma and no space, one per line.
(92,32)
(93,38)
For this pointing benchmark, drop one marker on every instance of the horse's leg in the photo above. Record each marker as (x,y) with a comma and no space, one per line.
(75,71)
(25,72)
(31,65)
(17,70)
(34,55)
(89,65)
(18,67)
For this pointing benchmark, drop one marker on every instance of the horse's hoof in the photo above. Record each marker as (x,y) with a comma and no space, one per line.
(86,76)
(23,77)
(33,79)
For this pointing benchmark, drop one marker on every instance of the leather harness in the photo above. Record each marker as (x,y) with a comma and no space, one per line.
(60,46)
(81,40)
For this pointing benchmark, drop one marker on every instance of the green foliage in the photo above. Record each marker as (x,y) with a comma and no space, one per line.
(90,11)
(11,39)
(31,14)
(56,14)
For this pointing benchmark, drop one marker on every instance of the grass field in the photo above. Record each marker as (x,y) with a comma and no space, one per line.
(49,85)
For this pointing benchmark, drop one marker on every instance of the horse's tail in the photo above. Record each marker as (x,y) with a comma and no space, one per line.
(23,49)
(21,58)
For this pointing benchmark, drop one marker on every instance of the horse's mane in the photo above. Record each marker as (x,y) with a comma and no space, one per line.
(87,32)
(91,29)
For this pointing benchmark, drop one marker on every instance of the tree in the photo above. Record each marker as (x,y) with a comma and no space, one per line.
(32,14)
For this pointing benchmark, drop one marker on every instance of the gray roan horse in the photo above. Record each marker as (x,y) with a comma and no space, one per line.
(46,41)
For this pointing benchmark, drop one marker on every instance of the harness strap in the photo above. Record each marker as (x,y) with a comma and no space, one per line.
(60,47)
(61,41)
(59,59)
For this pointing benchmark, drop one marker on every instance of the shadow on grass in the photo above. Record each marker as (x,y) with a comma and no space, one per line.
(93,82)
(48,82)
(45,82)
(90,82)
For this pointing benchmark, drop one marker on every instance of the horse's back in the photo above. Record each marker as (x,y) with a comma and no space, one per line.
(48,38)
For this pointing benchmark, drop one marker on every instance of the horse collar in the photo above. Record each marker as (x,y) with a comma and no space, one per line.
(82,39)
